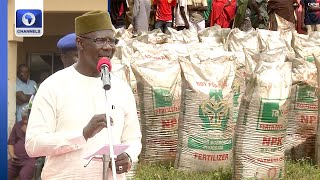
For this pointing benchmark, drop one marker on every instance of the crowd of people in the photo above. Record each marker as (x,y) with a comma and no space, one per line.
(147,15)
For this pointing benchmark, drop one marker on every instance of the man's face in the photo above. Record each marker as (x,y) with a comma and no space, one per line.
(96,45)
(23,73)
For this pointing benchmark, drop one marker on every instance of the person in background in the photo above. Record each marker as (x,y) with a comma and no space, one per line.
(196,10)
(129,13)
(68,118)
(260,20)
(141,15)
(163,14)
(310,15)
(299,18)
(118,10)
(152,18)
(223,13)
(25,88)
(244,9)
(68,49)
(284,9)
(19,163)
(181,15)
(207,13)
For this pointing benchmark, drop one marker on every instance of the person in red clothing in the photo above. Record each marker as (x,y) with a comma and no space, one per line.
(164,14)
(117,12)
(223,12)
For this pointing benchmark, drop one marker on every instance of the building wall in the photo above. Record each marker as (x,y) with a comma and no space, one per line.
(12,66)
(74,5)
(44,44)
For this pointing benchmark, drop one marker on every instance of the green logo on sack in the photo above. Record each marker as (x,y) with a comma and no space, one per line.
(163,98)
(236,99)
(210,144)
(309,59)
(236,92)
(306,94)
(270,112)
(214,112)
(235,104)
(236,88)
(272,116)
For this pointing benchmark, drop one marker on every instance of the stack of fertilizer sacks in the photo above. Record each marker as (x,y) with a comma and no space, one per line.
(222,98)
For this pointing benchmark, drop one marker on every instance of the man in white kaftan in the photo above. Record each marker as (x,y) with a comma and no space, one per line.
(67,121)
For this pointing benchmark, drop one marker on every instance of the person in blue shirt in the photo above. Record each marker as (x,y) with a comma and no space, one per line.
(25,88)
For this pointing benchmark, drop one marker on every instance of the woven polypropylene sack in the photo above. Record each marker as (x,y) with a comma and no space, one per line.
(143,53)
(205,123)
(159,89)
(121,71)
(212,37)
(303,113)
(184,37)
(238,85)
(306,45)
(154,37)
(270,40)
(262,120)
(317,148)
(237,40)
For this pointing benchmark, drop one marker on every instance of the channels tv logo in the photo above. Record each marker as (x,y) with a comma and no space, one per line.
(29,23)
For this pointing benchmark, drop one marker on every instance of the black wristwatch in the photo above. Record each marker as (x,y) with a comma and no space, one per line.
(130,165)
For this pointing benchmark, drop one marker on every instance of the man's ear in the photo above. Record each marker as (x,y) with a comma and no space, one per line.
(79,44)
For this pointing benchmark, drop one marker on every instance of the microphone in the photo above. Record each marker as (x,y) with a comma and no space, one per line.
(104,67)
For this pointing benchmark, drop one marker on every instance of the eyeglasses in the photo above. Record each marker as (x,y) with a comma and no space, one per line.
(100,42)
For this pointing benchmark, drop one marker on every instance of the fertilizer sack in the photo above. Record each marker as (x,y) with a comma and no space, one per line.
(262,120)
(303,113)
(159,89)
(205,123)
